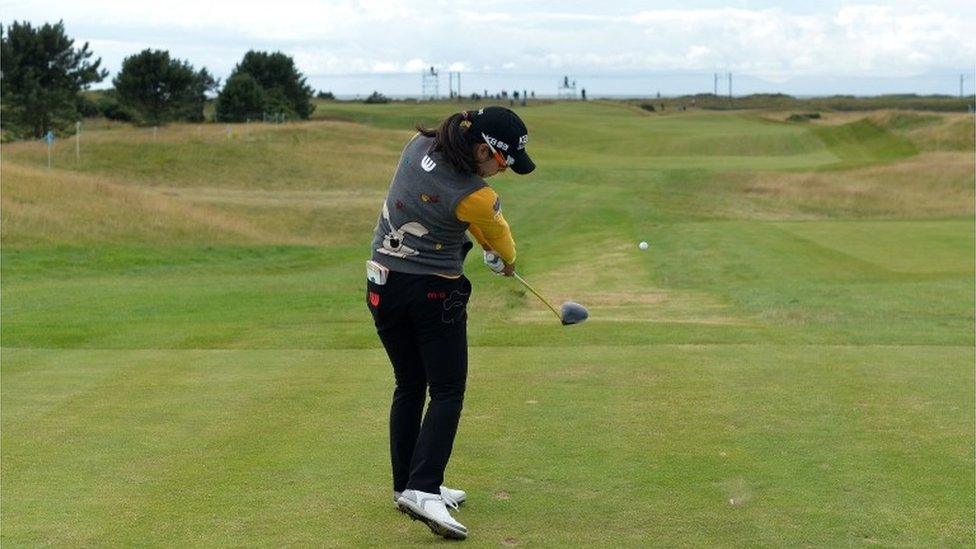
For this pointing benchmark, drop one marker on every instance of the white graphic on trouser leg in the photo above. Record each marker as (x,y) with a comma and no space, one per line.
(393,239)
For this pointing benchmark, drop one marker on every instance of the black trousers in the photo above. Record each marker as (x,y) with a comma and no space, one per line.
(422,322)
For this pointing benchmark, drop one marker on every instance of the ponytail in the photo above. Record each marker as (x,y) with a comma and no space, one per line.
(451,139)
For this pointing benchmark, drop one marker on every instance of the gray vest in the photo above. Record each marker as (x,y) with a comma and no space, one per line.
(417,231)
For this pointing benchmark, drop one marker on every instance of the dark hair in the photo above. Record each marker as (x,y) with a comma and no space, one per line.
(451,139)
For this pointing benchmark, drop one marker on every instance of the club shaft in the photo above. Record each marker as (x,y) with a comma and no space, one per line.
(537,294)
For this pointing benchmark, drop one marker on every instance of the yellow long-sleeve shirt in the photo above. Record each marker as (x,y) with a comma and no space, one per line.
(482,211)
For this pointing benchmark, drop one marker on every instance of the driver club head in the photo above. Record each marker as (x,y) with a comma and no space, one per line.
(573,313)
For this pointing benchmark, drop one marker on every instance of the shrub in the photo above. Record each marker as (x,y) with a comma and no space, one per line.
(242,98)
(277,75)
(803,117)
(87,107)
(158,89)
(376,97)
(109,107)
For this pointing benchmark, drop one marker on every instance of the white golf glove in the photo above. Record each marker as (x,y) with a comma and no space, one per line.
(495,263)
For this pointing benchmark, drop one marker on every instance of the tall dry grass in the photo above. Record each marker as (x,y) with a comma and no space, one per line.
(43,207)
(932,184)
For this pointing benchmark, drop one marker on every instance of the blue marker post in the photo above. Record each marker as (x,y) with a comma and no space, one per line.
(49,138)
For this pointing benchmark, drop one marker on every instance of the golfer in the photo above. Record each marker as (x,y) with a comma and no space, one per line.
(418,294)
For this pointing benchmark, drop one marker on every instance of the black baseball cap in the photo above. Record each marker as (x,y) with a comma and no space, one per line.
(504,131)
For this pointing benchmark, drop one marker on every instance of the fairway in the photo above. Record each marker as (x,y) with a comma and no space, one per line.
(187,358)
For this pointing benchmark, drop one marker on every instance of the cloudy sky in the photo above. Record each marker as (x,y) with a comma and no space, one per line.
(611,47)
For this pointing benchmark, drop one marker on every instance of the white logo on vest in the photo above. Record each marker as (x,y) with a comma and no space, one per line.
(428,164)
(393,239)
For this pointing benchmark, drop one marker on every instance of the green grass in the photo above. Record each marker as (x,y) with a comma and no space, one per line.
(693,445)
(863,141)
(187,359)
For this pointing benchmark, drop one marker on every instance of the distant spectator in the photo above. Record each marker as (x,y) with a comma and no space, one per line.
(583,91)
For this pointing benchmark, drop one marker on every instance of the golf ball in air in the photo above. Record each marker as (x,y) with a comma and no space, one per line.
(642,245)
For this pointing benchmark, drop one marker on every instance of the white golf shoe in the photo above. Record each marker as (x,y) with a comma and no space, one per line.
(452,498)
(430,509)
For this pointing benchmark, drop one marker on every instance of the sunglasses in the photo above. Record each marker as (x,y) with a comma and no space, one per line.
(502,163)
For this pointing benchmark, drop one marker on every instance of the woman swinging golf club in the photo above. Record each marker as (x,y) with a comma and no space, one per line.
(418,294)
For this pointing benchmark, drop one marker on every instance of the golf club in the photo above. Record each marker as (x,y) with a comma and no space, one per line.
(571,312)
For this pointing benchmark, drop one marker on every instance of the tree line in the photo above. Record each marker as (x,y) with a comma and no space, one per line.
(44,74)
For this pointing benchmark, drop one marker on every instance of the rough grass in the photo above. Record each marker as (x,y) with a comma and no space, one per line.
(906,120)
(318,183)
(928,185)
(187,359)
(40,207)
(955,135)
(102,210)
(256,156)
(927,131)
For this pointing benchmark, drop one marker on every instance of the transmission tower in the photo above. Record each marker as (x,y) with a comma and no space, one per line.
(430,81)
(730,89)
(567,89)
(451,77)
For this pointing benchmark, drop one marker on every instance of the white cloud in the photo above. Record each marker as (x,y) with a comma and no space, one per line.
(343,37)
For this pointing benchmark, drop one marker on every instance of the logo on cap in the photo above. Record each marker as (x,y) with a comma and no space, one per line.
(495,142)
